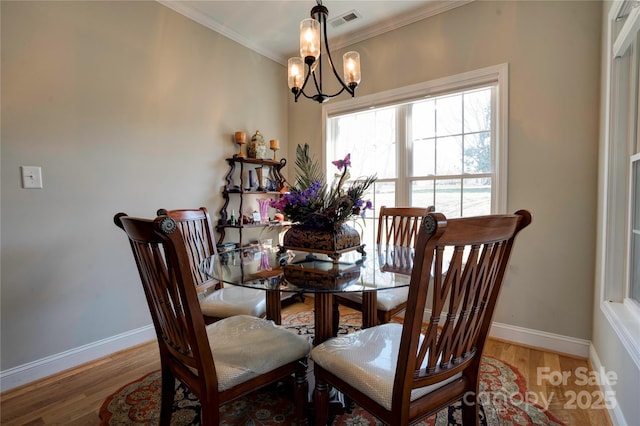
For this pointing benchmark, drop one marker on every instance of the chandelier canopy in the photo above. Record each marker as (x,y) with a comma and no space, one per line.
(309,63)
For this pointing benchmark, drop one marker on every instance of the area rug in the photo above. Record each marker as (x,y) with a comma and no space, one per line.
(503,398)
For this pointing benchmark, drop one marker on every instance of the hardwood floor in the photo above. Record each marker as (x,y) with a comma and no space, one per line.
(74,397)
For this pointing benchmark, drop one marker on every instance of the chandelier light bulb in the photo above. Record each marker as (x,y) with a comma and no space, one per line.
(306,71)
(309,39)
(351,68)
(296,73)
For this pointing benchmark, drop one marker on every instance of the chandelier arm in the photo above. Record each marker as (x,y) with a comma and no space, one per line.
(324,96)
(333,68)
(304,84)
(320,13)
(315,80)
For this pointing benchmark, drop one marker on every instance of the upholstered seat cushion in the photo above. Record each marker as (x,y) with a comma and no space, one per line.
(245,347)
(234,300)
(387,299)
(367,361)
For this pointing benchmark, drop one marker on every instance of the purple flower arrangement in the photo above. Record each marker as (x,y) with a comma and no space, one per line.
(311,202)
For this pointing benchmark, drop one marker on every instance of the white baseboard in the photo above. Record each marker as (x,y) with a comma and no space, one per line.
(541,339)
(617,417)
(50,365)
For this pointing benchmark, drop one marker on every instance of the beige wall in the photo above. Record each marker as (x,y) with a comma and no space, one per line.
(126,106)
(553,52)
(129,106)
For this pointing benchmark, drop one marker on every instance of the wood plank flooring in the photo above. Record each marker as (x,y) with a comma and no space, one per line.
(75,396)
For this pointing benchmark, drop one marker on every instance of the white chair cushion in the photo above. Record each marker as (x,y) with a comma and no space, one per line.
(245,347)
(367,361)
(234,300)
(387,299)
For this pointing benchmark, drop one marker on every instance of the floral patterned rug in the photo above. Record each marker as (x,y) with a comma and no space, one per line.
(138,403)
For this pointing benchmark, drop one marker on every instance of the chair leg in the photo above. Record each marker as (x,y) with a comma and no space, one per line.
(321,402)
(168,394)
(209,412)
(301,392)
(470,409)
(470,401)
(470,414)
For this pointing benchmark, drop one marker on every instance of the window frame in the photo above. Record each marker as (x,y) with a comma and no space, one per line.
(620,143)
(497,75)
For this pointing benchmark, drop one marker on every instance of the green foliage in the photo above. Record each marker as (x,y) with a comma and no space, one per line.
(308,168)
(311,202)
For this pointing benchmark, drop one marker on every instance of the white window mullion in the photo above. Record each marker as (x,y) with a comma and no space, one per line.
(410,174)
(405,151)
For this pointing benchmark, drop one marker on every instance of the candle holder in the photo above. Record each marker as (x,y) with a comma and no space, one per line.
(274,144)
(241,139)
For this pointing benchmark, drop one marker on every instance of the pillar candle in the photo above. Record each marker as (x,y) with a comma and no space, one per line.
(241,137)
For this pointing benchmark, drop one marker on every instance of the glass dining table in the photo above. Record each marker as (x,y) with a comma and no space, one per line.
(274,271)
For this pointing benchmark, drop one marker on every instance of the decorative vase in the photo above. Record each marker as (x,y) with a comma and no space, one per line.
(256,148)
(252,182)
(329,241)
(263,204)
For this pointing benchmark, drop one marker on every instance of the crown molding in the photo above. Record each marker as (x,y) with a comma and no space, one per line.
(212,24)
(430,9)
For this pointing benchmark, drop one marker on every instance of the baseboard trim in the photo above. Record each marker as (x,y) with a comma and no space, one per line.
(615,413)
(37,370)
(541,339)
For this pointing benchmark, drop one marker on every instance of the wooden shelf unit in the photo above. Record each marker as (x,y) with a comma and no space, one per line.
(230,189)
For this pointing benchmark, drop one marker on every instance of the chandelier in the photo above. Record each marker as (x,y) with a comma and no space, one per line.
(311,51)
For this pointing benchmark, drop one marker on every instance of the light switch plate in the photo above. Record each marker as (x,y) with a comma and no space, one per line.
(31,177)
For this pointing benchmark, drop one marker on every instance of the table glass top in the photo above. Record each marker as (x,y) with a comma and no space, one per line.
(266,268)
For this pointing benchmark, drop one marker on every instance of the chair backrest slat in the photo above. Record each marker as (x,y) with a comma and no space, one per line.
(399,226)
(458,269)
(195,226)
(164,266)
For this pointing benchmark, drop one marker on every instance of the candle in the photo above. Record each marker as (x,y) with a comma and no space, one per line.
(274,144)
(241,137)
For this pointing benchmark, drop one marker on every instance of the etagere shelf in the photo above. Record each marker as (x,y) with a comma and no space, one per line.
(272,185)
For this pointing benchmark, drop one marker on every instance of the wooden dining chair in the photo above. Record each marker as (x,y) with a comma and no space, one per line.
(397,226)
(218,362)
(402,373)
(217,301)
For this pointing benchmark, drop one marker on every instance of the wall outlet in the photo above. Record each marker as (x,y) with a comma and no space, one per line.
(31,177)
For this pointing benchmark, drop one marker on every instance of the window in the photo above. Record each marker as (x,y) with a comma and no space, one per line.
(634,231)
(618,278)
(440,143)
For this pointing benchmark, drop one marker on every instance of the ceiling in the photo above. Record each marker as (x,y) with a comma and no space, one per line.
(270,27)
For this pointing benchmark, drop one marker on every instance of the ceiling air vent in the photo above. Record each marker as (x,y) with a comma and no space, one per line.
(347,17)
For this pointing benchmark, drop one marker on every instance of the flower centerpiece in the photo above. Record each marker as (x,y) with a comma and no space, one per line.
(319,211)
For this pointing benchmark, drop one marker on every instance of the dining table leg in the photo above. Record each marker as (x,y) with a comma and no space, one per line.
(369,309)
(274,307)
(323,317)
